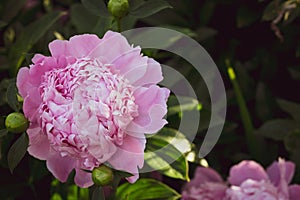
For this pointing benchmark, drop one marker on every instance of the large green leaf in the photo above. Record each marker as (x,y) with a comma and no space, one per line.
(149,8)
(3,132)
(290,107)
(271,11)
(161,155)
(146,189)
(11,96)
(85,22)
(29,36)
(17,151)
(277,129)
(179,104)
(12,8)
(97,7)
(176,138)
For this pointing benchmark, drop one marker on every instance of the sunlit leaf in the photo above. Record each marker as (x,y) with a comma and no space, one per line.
(163,156)
(149,8)
(146,189)
(17,151)
(184,104)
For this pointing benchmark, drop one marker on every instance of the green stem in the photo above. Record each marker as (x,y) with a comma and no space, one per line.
(118,24)
(245,116)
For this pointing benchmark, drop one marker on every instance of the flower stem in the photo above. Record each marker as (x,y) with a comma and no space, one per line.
(119,29)
(245,116)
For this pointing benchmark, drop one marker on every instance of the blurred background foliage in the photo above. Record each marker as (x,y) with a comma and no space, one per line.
(257,40)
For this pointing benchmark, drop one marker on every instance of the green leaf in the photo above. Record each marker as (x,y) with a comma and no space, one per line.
(17,152)
(149,8)
(205,33)
(11,96)
(97,7)
(3,132)
(277,129)
(29,36)
(245,17)
(271,11)
(176,138)
(290,107)
(185,104)
(146,189)
(56,196)
(12,8)
(163,156)
(98,193)
(82,19)
(292,141)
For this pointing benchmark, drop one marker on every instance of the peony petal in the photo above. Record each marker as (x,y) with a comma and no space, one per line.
(31,104)
(39,146)
(22,81)
(60,166)
(294,192)
(139,70)
(111,46)
(83,179)
(153,74)
(152,108)
(78,46)
(130,156)
(281,170)
(246,170)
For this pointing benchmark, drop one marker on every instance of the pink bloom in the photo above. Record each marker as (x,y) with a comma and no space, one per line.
(207,184)
(250,181)
(91,102)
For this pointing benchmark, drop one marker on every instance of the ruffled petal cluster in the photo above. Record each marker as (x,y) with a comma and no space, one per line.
(91,102)
(247,180)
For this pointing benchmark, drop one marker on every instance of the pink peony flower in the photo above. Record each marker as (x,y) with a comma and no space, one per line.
(91,102)
(250,181)
(207,184)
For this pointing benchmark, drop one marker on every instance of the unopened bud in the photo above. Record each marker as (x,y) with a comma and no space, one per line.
(118,8)
(102,175)
(16,122)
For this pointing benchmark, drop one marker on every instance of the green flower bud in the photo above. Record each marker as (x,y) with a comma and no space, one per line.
(16,122)
(118,8)
(102,175)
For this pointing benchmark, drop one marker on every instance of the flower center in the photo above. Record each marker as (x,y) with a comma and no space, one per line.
(86,95)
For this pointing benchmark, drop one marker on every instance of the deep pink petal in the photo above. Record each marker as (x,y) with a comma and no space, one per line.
(39,146)
(130,156)
(83,179)
(204,175)
(294,192)
(246,170)
(60,166)
(111,46)
(281,171)
(152,108)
